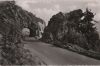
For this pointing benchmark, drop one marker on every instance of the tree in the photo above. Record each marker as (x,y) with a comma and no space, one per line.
(87,28)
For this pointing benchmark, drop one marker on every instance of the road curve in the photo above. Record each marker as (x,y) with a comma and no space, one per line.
(52,55)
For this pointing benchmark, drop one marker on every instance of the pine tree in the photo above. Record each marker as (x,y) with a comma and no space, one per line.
(87,28)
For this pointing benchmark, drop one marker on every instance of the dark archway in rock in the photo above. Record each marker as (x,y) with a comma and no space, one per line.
(32,33)
(33,28)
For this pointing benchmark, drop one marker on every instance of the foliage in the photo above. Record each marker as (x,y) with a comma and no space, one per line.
(11,13)
(76,27)
(12,20)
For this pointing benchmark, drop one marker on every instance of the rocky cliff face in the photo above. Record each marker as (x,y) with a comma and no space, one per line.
(10,13)
(59,25)
(73,27)
(12,20)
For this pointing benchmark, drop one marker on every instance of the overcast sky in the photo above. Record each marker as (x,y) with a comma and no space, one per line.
(46,8)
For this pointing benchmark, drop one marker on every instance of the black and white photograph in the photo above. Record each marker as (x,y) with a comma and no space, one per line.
(49,32)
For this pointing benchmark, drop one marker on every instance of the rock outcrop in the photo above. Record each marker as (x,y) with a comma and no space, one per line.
(12,20)
(10,13)
(75,27)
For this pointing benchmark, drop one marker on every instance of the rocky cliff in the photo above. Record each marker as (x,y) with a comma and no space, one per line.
(75,27)
(12,20)
(10,13)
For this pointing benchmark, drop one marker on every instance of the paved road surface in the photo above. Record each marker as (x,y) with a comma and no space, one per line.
(55,56)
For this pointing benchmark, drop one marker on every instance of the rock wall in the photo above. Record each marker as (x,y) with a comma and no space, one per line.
(10,13)
(72,28)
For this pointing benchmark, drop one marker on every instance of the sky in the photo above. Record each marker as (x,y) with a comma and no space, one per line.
(45,9)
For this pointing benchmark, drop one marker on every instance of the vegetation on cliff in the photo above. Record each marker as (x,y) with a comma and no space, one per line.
(74,30)
(12,20)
